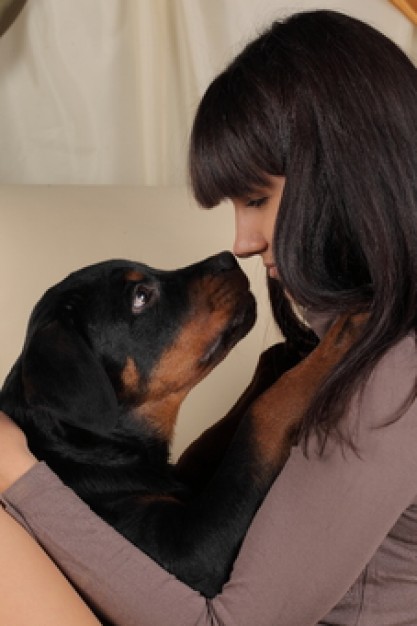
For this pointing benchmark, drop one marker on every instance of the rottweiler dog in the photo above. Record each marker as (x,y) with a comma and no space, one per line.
(110,354)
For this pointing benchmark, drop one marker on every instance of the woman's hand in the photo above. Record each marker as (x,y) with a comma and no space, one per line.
(15,457)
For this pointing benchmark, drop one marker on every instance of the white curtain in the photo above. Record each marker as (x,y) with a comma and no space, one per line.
(104,91)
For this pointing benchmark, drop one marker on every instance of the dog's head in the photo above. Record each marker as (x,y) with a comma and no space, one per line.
(120,337)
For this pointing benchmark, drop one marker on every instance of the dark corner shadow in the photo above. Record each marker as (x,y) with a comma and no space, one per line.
(9,10)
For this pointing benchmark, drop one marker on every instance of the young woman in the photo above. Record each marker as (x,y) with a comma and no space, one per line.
(312,133)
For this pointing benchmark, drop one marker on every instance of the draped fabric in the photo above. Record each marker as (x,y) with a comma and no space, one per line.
(104,92)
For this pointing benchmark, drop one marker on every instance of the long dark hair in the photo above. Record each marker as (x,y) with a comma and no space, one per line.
(331,104)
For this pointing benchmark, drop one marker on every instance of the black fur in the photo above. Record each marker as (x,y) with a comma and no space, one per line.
(94,400)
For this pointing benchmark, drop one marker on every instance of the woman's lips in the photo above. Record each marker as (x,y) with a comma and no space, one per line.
(272,271)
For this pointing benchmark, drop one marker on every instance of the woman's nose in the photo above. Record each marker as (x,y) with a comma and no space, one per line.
(248,240)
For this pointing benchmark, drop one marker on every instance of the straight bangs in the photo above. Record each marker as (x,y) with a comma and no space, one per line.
(329,103)
(236,140)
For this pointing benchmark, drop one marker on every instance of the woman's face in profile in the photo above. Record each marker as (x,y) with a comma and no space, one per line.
(255,217)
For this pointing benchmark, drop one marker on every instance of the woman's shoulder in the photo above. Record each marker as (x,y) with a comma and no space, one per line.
(388,396)
(396,370)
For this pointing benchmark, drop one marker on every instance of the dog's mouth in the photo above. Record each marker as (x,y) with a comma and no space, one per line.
(240,324)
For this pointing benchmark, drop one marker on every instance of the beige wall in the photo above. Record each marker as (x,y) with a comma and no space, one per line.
(48,231)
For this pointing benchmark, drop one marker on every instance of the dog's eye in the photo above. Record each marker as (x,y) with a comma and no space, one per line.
(141,297)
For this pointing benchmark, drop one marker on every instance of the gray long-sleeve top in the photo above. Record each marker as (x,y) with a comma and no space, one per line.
(338,530)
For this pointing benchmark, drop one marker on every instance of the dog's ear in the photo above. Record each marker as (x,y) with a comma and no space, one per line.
(61,375)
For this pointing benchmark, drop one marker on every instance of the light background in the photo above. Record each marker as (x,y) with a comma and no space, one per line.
(104,91)
(96,101)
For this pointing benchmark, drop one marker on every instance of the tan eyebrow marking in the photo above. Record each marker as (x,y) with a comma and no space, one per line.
(134,275)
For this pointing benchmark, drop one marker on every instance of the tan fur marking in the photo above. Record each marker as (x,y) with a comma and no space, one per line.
(176,373)
(179,368)
(161,414)
(134,275)
(130,376)
(279,410)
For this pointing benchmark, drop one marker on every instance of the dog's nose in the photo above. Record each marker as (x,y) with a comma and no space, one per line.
(223,262)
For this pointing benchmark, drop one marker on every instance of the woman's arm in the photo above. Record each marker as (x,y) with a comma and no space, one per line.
(320,524)
(32,589)
(125,584)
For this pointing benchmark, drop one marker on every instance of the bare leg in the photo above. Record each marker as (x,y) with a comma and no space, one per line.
(32,589)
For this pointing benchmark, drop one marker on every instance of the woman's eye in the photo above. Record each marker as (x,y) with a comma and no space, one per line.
(141,297)
(257,202)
